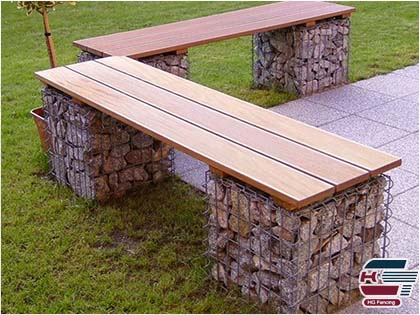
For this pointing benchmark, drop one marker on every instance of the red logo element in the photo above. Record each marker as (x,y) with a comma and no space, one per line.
(368,276)
(383,281)
(381,302)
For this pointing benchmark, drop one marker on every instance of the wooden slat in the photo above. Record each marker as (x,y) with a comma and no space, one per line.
(185,34)
(375,161)
(340,174)
(204,36)
(278,180)
(171,29)
(201,35)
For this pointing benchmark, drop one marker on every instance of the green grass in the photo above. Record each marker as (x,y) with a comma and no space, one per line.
(141,254)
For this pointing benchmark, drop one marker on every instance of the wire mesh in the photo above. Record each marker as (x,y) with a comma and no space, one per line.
(96,155)
(302,261)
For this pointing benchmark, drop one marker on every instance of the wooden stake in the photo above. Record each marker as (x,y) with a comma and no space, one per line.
(49,40)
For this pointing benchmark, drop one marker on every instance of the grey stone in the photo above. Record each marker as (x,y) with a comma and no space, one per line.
(141,140)
(405,207)
(309,112)
(390,84)
(219,273)
(398,113)
(196,177)
(364,131)
(408,149)
(402,180)
(404,242)
(184,162)
(413,98)
(349,99)
(334,295)
(120,151)
(411,72)
(348,282)
(334,245)
(307,228)
(318,278)
(315,305)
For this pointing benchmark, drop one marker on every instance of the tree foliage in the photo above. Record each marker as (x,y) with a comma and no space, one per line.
(40,6)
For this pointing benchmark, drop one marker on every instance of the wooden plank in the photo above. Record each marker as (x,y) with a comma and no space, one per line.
(375,161)
(216,20)
(205,35)
(276,179)
(340,174)
(184,34)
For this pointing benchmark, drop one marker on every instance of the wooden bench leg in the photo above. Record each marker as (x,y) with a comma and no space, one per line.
(301,261)
(303,59)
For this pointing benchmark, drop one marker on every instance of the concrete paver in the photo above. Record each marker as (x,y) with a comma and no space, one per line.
(390,84)
(350,99)
(364,131)
(308,112)
(408,149)
(399,113)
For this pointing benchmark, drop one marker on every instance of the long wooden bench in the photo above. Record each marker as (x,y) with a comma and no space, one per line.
(182,35)
(323,26)
(307,205)
(293,162)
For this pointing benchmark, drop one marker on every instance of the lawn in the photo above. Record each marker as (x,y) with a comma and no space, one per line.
(62,254)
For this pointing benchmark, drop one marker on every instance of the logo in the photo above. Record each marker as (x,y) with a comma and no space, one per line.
(384,281)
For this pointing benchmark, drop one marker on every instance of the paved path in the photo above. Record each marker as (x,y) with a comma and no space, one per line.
(381,112)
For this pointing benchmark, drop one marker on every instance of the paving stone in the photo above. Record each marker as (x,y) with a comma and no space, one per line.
(390,84)
(404,242)
(196,177)
(398,113)
(415,293)
(411,72)
(412,98)
(364,131)
(408,149)
(309,112)
(405,207)
(403,180)
(350,98)
(185,163)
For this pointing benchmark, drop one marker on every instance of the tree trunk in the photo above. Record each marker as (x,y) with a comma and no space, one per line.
(49,40)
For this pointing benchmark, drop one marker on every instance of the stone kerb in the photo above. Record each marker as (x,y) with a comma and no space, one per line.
(302,261)
(303,60)
(96,155)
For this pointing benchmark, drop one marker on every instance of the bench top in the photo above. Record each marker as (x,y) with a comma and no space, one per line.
(182,35)
(296,163)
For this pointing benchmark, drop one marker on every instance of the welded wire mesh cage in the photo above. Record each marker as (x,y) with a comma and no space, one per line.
(303,59)
(96,155)
(306,260)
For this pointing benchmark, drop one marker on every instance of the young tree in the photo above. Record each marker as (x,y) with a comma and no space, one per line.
(43,7)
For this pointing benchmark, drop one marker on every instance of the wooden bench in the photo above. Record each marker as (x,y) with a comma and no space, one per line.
(311,36)
(295,163)
(303,203)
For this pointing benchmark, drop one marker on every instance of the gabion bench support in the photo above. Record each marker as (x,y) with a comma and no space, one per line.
(97,156)
(302,261)
(172,62)
(303,59)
